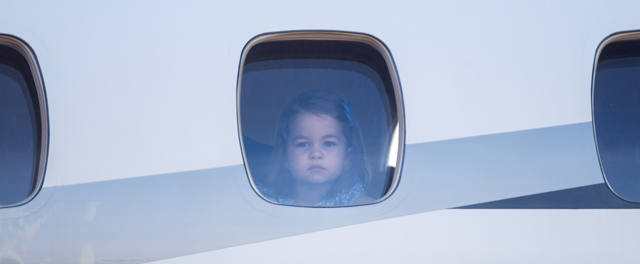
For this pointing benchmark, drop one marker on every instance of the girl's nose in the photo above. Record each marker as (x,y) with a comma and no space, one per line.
(315,154)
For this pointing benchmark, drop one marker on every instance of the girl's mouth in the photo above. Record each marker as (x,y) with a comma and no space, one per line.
(316,168)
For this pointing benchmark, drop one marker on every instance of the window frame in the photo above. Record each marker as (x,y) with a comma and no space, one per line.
(397,137)
(29,55)
(613,38)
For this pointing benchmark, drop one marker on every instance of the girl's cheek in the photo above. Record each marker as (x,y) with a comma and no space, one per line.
(299,151)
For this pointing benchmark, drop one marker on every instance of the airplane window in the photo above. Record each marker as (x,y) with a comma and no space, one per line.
(22,132)
(616,111)
(321,121)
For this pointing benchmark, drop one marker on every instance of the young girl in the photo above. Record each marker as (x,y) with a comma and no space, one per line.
(318,157)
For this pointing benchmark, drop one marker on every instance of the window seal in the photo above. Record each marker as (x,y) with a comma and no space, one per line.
(29,55)
(615,37)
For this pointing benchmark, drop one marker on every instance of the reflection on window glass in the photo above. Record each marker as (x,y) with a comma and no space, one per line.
(19,129)
(317,119)
(616,105)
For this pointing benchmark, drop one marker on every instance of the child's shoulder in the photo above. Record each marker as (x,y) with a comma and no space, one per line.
(271,195)
(352,194)
(346,196)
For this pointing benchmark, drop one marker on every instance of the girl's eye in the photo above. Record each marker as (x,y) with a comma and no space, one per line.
(329,144)
(302,144)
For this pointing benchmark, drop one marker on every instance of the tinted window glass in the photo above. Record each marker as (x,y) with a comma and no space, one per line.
(287,87)
(19,129)
(616,109)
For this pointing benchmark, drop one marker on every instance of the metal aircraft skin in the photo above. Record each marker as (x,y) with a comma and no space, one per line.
(145,163)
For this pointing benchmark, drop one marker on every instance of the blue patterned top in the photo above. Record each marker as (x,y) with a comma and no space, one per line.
(346,196)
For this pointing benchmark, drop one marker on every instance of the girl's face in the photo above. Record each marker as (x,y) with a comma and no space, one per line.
(316,148)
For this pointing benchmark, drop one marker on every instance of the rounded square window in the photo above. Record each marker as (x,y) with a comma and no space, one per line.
(23,123)
(320,118)
(616,113)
